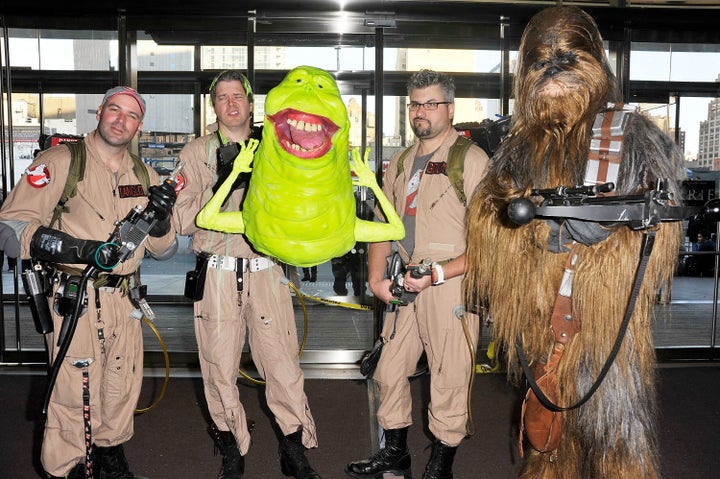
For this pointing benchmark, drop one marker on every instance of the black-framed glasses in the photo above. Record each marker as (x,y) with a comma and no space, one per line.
(429,106)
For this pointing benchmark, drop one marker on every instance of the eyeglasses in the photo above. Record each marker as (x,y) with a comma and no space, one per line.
(429,106)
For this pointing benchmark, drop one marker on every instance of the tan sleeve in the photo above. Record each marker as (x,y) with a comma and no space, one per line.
(474,170)
(28,207)
(197,178)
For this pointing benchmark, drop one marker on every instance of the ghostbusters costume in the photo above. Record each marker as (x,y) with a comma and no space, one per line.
(107,336)
(429,322)
(223,316)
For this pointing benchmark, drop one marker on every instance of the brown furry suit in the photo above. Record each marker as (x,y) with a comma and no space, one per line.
(563,79)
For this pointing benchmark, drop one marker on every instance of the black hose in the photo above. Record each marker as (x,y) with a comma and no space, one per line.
(67,339)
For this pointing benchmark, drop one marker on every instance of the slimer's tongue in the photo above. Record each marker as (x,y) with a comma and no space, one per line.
(308,140)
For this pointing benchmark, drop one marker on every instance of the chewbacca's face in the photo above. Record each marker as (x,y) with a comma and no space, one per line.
(554,77)
(562,69)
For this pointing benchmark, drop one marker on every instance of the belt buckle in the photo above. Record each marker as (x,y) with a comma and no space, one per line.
(259,264)
(229,263)
(226,263)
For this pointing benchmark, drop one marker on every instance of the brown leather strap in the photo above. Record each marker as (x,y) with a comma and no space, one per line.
(606,144)
(606,155)
(563,323)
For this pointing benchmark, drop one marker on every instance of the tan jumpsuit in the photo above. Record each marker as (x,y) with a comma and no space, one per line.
(430,323)
(264,311)
(115,373)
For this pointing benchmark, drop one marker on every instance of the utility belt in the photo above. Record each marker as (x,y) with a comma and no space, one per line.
(230,263)
(195,279)
(40,278)
(104,281)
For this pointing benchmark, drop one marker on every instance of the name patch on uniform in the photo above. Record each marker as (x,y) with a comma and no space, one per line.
(131,191)
(38,176)
(436,168)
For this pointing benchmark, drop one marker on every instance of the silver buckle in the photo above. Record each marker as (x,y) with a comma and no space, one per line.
(259,264)
(226,263)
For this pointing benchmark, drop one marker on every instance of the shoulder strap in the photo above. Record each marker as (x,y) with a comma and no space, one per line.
(76,173)
(456,166)
(403,155)
(141,172)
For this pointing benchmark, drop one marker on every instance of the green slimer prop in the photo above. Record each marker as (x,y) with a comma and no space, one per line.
(300,206)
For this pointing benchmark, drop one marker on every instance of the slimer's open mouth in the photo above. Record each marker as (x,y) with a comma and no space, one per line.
(302,134)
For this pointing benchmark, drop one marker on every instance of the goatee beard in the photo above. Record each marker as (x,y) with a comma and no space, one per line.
(422,132)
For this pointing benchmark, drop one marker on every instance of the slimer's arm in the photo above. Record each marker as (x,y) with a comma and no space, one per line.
(210,217)
(372,231)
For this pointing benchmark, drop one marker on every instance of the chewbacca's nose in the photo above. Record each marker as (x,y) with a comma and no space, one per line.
(551,71)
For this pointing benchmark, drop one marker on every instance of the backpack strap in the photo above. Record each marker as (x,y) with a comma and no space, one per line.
(455,165)
(141,172)
(403,155)
(76,173)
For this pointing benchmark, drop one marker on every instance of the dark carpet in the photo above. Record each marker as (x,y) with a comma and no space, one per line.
(171,440)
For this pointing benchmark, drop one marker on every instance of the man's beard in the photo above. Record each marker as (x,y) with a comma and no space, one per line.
(103,129)
(422,132)
(109,140)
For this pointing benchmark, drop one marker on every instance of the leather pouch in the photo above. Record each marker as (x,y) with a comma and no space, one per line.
(195,279)
(370,360)
(542,426)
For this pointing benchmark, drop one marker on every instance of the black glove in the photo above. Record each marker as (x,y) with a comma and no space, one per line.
(9,242)
(57,247)
(225,159)
(161,201)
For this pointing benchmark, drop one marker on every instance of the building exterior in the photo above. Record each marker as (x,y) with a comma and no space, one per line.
(709,143)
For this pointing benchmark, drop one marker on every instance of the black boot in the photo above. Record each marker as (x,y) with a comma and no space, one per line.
(441,460)
(110,463)
(77,472)
(292,457)
(233,463)
(394,458)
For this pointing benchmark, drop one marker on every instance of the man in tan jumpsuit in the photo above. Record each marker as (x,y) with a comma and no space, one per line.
(434,219)
(107,346)
(244,293)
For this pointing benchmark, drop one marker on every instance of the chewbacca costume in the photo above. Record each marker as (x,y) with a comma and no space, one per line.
(563,80)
